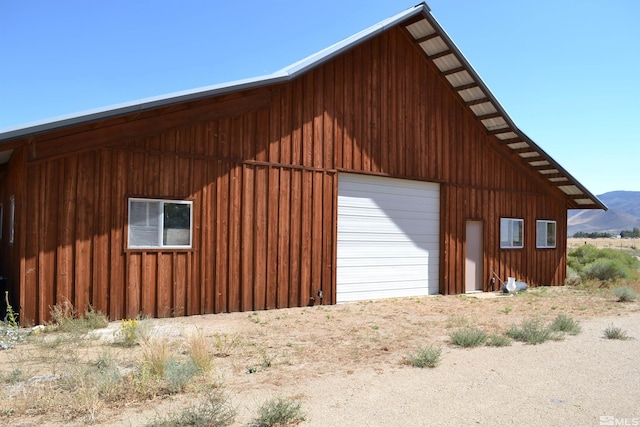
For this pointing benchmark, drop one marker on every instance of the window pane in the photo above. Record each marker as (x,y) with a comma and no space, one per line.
(517,233)
(541,234)
(177,224)
(143,223)
(505,238)
(551,234)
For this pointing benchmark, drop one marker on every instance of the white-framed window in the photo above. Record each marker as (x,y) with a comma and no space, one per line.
(156,223)
(511,233)
(12,219)
(545,234)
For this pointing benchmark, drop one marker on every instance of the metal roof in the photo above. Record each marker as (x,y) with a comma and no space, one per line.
(437,46)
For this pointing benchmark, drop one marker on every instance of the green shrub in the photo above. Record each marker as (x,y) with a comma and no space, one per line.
(498,341)
(564,323)
(278,412)
(625,294)
(213,411)
(606,264)
(468,337)
(178,375)
(530,331)
(425,357)
(615,333)
(606,270)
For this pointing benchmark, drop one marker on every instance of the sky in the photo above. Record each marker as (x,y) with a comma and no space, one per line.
(566,71)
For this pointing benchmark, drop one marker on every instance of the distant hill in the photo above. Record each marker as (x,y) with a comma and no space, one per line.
(623,214)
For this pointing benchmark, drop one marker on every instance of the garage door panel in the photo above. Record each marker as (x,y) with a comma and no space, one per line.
(388,237)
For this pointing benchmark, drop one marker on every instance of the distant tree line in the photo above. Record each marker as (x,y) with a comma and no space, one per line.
(592,235)
(635,233)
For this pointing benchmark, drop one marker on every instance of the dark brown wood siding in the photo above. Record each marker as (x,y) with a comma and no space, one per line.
(261,168)
(12,266)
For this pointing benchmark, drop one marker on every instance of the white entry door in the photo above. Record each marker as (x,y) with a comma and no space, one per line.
(388,237)
(474,258)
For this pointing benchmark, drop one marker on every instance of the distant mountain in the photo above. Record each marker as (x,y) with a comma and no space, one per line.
(623,214)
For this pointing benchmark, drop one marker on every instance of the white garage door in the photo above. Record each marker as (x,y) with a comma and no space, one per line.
(388,238)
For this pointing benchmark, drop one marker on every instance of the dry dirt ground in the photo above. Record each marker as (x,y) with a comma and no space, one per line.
(346,364)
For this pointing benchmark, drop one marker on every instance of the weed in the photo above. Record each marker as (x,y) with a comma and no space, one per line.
(13,377)
(457,322)
(132,332)
(468,337)
(65,319)
(278,412)
(224,344)
(267,359)
(425,357)
(530,331)
(199,350)
(213,410)
(103,362)
(11,318)
(495,340)
(625,294)
(615,333)
(155,356)
(507,309)
(127,332)
(179,374)
(564,323)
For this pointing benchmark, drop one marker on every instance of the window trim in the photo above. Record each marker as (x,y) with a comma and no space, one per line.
(12,219)
(161,246)
(546,222)
(511,221)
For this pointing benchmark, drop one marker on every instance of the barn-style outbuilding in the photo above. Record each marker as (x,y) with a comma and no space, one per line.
(379,167)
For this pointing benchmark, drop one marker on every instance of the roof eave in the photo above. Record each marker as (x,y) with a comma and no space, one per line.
(503,113)
(137,106)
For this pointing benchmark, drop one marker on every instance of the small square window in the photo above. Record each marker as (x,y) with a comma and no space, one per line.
(511,233)
(545,234)
(160,223)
